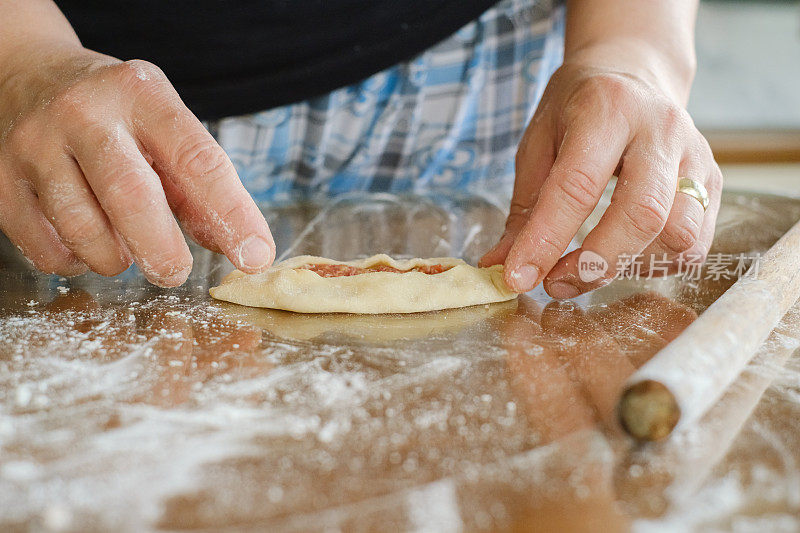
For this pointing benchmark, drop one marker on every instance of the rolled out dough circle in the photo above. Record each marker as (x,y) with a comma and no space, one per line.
(290,287)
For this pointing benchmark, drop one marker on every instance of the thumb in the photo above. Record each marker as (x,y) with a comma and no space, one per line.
(535,157)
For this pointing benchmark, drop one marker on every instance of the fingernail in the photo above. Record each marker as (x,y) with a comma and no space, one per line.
(563,290)
(254,253)
(525,278)
(173,279)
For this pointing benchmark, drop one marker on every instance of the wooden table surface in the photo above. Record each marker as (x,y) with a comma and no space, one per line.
(127,407)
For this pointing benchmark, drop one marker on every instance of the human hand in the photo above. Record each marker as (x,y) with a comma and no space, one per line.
(97,154)
(593,123)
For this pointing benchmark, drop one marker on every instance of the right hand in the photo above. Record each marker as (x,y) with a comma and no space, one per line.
(97,154)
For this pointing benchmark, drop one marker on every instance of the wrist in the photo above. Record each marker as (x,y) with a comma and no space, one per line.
(669,69)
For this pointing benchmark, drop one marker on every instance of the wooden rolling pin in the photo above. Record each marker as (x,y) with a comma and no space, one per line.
(682,381)
(647,479)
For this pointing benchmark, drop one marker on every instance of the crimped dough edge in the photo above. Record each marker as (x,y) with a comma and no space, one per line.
(285,287)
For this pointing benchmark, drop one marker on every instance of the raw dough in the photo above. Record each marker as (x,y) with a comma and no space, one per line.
(289,286)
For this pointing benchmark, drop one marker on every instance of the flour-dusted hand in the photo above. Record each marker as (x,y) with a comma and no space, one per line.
(614,107)
(96,155)
(590,124)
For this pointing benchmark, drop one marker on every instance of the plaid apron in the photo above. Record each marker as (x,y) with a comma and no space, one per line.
(448,119)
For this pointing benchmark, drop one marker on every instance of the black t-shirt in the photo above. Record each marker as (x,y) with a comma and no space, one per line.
(229,57)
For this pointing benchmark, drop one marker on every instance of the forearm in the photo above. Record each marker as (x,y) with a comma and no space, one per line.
(23,22)
(653,38)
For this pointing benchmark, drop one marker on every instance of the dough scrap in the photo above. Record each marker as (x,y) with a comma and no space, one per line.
(290,287)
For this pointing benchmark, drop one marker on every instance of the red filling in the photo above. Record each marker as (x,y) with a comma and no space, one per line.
(333,271)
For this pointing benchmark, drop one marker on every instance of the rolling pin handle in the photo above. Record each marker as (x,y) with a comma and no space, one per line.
(648,411)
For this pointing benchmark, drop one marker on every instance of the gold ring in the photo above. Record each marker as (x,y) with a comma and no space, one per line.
(694,189)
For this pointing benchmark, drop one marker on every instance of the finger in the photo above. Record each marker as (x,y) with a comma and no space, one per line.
(130,193)
(191,221)
(637,213)
(682,231)
(535,157)
(184,152)
(585,162)
(25,225)
(68,202)
(699,251)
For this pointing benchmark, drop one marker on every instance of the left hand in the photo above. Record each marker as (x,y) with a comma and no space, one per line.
(592,123)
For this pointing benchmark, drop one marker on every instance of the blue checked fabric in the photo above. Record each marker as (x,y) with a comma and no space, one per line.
(449,119)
